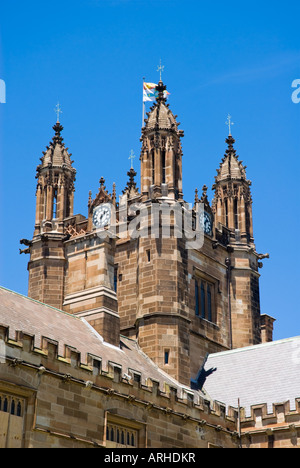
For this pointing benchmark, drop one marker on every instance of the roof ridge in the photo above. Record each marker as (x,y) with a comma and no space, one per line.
(252,347)
(38,302)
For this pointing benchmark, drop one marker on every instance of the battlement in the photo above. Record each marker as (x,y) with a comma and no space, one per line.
(44,356)
(281,416)
(142,385)
(135,392)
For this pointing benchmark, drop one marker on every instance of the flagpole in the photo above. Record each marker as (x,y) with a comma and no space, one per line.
(143,105)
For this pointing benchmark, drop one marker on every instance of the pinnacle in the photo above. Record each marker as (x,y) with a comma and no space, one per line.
(56,154)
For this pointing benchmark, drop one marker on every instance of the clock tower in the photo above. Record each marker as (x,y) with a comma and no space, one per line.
(135,266)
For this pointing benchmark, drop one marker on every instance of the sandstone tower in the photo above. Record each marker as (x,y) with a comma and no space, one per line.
(178,301)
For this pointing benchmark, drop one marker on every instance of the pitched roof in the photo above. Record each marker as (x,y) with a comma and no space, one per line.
(266,373)
(231,167)
(20,313)
(56,154)
(161,117)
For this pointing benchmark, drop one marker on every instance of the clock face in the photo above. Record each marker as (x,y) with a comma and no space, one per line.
(206,223)
(101,216)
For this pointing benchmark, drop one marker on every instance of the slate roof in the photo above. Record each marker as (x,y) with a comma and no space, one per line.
(266,373)
(21,313)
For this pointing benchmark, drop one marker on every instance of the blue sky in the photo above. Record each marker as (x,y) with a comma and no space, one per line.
(219,57)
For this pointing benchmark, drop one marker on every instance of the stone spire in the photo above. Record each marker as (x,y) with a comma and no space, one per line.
(232,202)
(231,167)
(55,187)
(56,154)
(161,154)
(131,188)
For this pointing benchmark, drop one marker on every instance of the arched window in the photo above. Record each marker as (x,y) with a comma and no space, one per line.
(226,213)
(12,407)
(236,215)
(19,409)
(163,161)
(153,167)
(55,204)
(203,311)
(45,202)
(196,297)
(5,405)
(209,309)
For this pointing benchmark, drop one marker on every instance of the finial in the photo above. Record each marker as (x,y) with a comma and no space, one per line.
(204,198)
(196,196)
(90,198)
(160,69)
(58,111)
(162,93)
(57,139)
(131,156)
(114,194)
(102,182)
(229,123)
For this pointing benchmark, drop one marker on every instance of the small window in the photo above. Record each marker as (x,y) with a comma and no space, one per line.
(196,298)
(118,436)
(163,156)
(55,204)
(148,255)
(236,214)
(116,279)
(5,405)
(203,308)
(153,167)
(167,356)
(12,407)
(209,309)
(226,213)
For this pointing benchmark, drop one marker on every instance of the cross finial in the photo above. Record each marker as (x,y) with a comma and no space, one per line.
(229,123)
(131,156)
(160,69)
(58,111)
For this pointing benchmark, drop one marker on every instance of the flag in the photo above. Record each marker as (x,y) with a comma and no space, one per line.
(150,92)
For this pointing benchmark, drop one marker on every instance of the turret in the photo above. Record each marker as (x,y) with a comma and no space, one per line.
(55,187)
(232,201)
(161,154)
(54,203)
